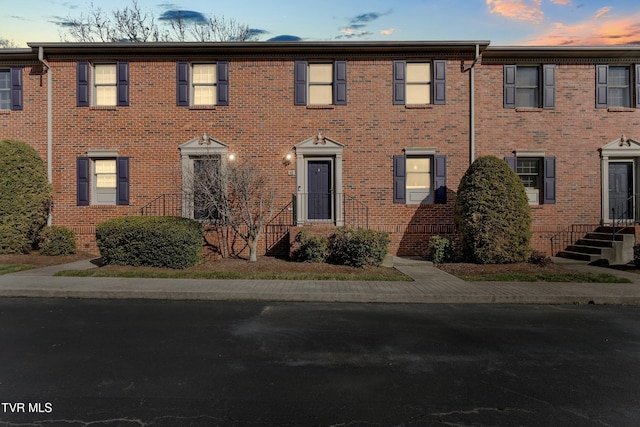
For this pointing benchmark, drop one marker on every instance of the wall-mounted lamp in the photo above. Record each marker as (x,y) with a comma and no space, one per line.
(288,158)
(231,157)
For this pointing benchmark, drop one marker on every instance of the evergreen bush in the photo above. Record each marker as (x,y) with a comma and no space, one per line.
(57,240)
(153,241)
(25,196)
(492,214)
(312,248)
(440,249)
(358,247)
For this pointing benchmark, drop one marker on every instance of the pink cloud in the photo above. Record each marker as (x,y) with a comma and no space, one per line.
(601,29)
(520,10)
(561,2)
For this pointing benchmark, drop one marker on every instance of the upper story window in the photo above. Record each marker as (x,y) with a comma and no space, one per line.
(320,83)
(108,85)
(419,83)
(615,86)
(530,86)
(202,83)
(11,89)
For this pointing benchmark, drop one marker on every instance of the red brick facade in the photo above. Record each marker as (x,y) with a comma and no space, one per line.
(263,123)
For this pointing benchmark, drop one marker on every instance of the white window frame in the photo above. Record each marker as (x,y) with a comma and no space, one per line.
(626,89)
(207,84)
(535,89)
(6,90)
(320,83)
(97,100)
(416,82)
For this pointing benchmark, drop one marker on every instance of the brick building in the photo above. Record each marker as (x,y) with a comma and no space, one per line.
(366,134)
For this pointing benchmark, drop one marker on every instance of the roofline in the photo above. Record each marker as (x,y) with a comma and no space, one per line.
(20,54)
(565,52)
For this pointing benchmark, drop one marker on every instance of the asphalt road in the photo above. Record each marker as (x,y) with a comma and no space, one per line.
(153,363)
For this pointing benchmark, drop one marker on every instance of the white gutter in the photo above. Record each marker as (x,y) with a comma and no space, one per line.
(49,122)
(472,107)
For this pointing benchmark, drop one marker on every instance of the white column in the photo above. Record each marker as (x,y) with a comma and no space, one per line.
(605,189)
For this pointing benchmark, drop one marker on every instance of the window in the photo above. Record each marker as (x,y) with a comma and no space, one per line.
(320,83)
(11,89)
(614,86)
(419,83)
(420,178)
(109,84)
(538,174)
(202,84)
(102,180)
(530,86)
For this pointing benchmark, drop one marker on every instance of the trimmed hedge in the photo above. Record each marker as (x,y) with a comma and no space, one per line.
(440,249)
(312,248)
(492,213)
(358,247)
(153,241)
(25,197)
(57,240)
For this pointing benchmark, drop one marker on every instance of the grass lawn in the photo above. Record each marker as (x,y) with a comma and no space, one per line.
(14,268)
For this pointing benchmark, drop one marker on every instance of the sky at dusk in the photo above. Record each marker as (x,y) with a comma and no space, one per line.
(503,22)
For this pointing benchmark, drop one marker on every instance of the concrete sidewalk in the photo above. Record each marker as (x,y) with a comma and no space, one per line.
(430,285)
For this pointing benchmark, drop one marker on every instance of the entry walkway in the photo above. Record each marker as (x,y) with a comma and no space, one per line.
(430,285)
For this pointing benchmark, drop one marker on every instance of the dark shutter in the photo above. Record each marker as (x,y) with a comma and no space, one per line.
(637,85)
(399,177)
(439,82)
(440,179)
(549,86)
(602,73)
(122,72)
(182,84)
(300,83)
(82,181)
(340,83)
(16,88)
(549,180)
(399,81)
(223,83)
(509,86)
(82,78)
(122,182)
(511,161)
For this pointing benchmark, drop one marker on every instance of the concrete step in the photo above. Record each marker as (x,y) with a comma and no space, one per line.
(583,249)
(579,256)
(595,242)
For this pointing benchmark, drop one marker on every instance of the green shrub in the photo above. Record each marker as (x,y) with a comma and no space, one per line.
(358,247)
(538,258)
(57,240)
(440,249)
(492,214)
(25,196)
(150,241)
(312,248)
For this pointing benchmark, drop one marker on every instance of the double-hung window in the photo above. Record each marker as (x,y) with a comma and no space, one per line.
(419,82)
(11,89)
(202,83)
(617,86)
(538,175)
(102,84)
(102,179)
(420,177)
(322,83)
(527,86)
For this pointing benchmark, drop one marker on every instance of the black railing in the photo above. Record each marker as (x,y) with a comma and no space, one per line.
(623,214)
(569,236)
(164,205)
(355,213)
(276,231)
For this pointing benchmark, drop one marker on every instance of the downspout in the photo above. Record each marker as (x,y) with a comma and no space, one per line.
(49,123)
(472,107)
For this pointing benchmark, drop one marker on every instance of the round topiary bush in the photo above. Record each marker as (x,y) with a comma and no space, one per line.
(25,196)
(150,241)
(492,214)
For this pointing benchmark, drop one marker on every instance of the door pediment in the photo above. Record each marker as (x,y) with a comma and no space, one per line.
(621,147)
(319,145)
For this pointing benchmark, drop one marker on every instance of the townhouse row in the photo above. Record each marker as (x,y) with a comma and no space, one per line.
(368,134)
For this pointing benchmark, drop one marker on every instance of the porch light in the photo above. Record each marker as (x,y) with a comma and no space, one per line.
(231,157)
(287,158)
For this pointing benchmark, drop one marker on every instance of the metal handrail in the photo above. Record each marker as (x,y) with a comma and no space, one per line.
(631,201)
(567,237)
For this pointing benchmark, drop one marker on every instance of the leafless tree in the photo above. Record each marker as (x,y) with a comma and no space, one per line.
(7,44)
(235,194)
(132,24)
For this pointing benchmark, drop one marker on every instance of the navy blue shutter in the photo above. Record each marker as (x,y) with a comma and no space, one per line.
(82,79)
(82,181)
(122,77)
(340,83)
(439,82)
(511,161)
(440,179)
(399,179)
(399,81)
(637,85)
(602,74)
(549,86)
(16,88)
(509,86)
(300,83)
(549,180)
(122,181)
(223,83)
(182,84)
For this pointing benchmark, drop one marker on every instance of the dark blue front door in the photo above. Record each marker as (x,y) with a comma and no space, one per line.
(620,190)
(319,186)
